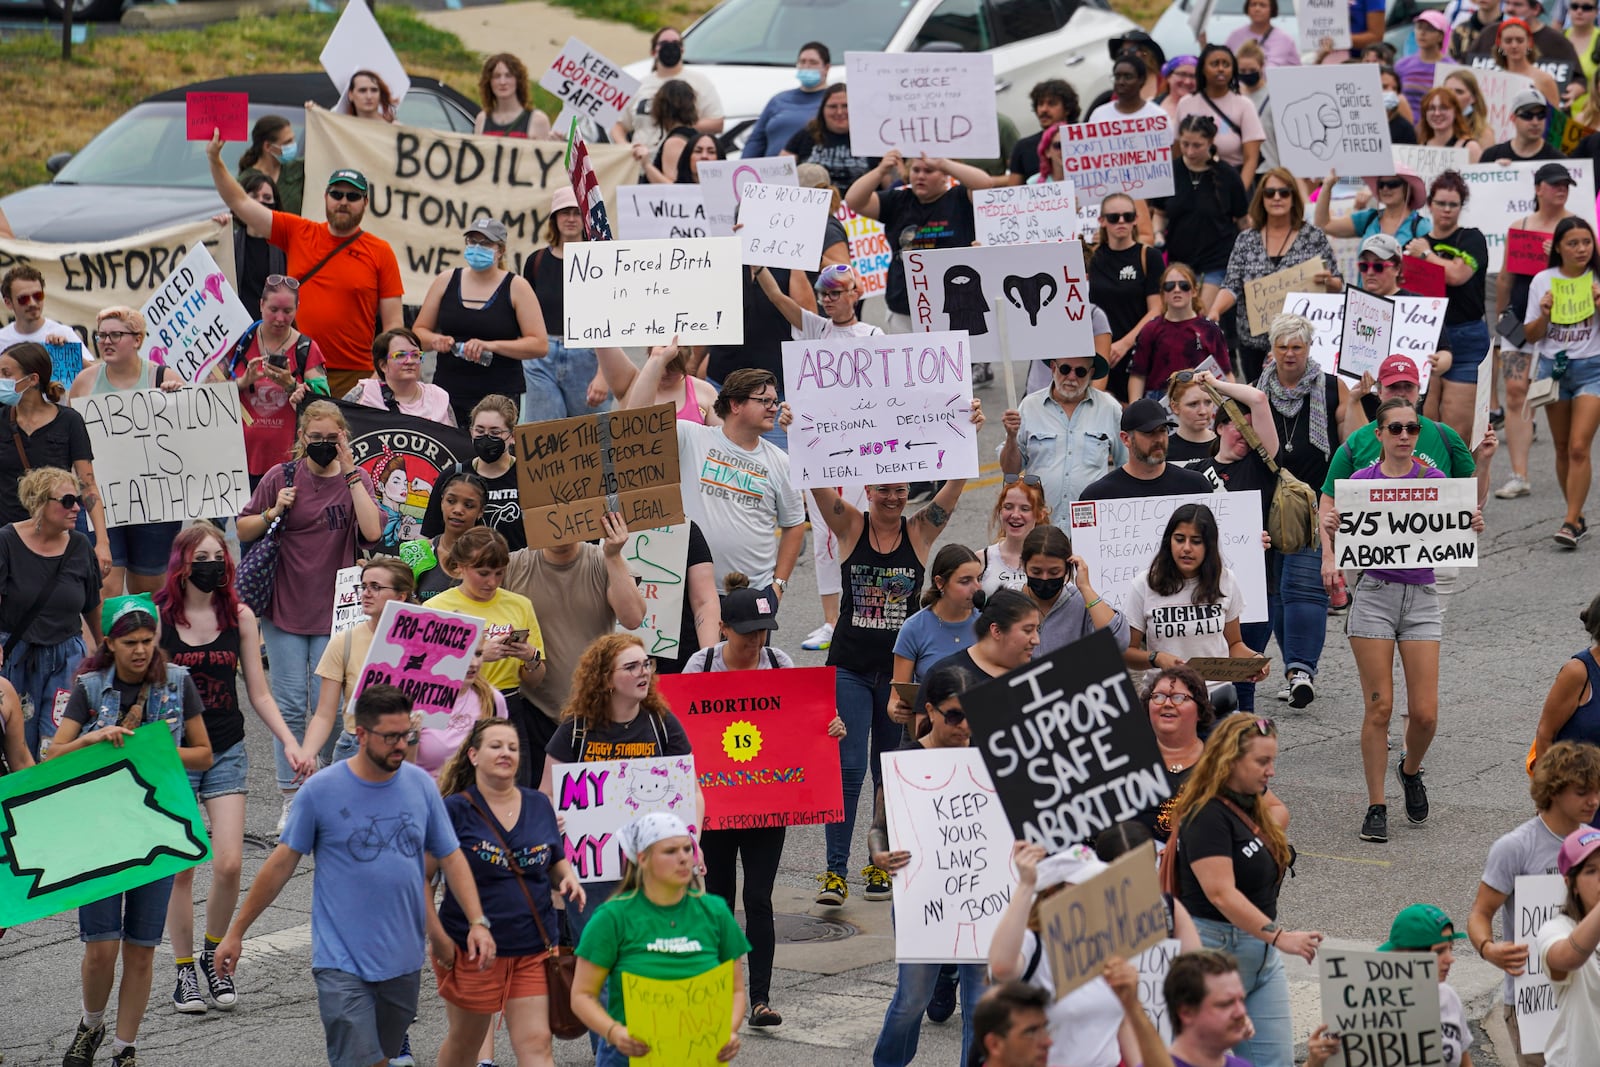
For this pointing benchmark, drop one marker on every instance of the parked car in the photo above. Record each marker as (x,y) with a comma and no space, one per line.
(747,47)
(142,173)
(1172,31)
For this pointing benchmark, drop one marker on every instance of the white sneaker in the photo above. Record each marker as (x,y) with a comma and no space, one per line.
(1301,691)
(283,816)
(1287,691)
(1516,486)
(819,639)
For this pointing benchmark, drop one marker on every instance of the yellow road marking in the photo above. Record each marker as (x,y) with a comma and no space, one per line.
(1345,859)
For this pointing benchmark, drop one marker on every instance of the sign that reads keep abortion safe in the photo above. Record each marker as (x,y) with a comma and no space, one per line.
(589,84)
(868,409)
(1025,214)
(723,182)
(647,292)
(571,472)
(940,104)
(1401,523)
(1322,20)
(168,457)
(1132,156)
(762,750)
(686,1022)
(595,799)
(193,321)
(941,807)
(1331,118)
(425,652)
(784,225)
(1118,912)
(1539,898)
(1045,296)
(661,212)
(1384,1007)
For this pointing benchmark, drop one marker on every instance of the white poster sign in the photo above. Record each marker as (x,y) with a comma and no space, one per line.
(722,183)
(597,798)
(1503,193)
(1026,214)
(347,599)
(659,559)
(1132,156)
(1322,20)
(1042,286)
(1538,898)
(1117,539)
(357,43)
(942,808)
(1482,403)
(589,84)
(1365,333)
(1396,524)
(1199,15)
(193,321)
(661,212)
(1429,162)
(1384,1006)
(647,292)
(1499,87)
(784,225)
(1331,118)
(425,652)
(1153,965)
(873,409)
(940,104)
(1418,322)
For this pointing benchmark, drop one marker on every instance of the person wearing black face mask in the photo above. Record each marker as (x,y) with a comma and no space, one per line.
(1058,584)
(636,126)
(491,422)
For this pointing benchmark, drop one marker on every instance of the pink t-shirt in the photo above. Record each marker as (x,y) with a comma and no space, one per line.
(440,736)
(1241,126)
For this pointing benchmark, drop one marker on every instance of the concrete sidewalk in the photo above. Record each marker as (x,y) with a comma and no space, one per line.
(536,32)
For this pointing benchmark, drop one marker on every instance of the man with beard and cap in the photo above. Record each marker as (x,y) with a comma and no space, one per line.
(347,278)
(1146,471)
(1065,434)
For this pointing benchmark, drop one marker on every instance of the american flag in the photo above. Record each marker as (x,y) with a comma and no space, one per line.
(587,187)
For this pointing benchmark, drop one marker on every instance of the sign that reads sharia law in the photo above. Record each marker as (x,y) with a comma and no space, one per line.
(1401,523)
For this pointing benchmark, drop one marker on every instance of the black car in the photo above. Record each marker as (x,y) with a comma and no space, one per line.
(141,173)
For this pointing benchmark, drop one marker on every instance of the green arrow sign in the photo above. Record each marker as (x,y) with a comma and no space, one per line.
(94,823)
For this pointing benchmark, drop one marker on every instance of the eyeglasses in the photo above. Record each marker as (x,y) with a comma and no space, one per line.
(406,355)
(107,337)
(503,435)
(338,195)
(374,587)
(29,299)
(1069,370)
(1534,114)
(835,294)
(282,281)
(1277,192)
(392,739)
(1410,429)
(1171,698)
(322,438)
(1115,217)
(1180,285)
(768,402)
(1265,726)
(1025,479)
(1391,183)
(68,500)
(1374,266)
(1446,205)
(1580,7)
(953,717)
(642,666)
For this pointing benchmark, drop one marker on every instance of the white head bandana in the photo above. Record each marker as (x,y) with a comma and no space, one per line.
(1074,866)
(646,830)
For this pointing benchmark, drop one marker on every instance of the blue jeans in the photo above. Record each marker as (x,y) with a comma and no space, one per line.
(1266,993)
(1257,635)
(39,672)
(1298,607)
(294,659)
(558,384)
(1469,345)
(902,1022)
(863,701)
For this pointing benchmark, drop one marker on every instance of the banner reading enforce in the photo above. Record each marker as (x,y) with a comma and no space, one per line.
(1399,523)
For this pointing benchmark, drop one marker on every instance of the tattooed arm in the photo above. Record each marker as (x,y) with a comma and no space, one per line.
(842,517)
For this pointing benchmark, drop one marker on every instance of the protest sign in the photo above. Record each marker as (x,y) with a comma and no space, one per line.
(870,253)
(1331,118)
(346,599)
(1502,197)
(1117,539)
(1263,297)
(405,457)
(1383,1007)
(941,807)
(940,104)
(661,212)
(1067,743)
(1564,132)
(145,824)
(1484,400)
(762,751)
(1026,214)
(193,321)
(589,84)
(1571,300)
(1365,333)
(659,559)
(1499,88)
(596,798)
(1429,162)
(357,43)
(1418,322)
(427,187)
(686,1022)
(1539,898)
(1227,669)
(784,225)
(647,292)
(1154,963)
(1132,156)
(1402,523)
(66,362)
(1422,277)
(570,472)
(1527,251)
(224,113)
(423,651)
(722,184)
(168,457)
(1118,912)
(1043,287)
(1199,15)
(870,408)
(1322,20)
(83,277)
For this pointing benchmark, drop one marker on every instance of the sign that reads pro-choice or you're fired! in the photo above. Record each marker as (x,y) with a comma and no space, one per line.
(1118,912)
(1384,1007)
(589,84)
(1403,523)
(648,292)
(595,799)
(867,409)
(940,104)
(1331,118)
(193,321)
(425,652)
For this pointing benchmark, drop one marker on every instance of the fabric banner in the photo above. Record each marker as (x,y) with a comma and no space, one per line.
(1118,912)
(659,560)
(685,1022)
(597,798)
(425,652)
(761,744)
(1384,1007)
(1539,899)
(427,187)
(1400,523)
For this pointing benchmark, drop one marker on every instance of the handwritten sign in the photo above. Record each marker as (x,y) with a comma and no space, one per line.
(1132,156)
(1429,162)
(347,609)
(1263,297)
(228,113)
(942,808)
(589,84)
(1539,898)
(570,472)
(1026,214)
(1119,912)
(1572,299)
(194,319)
(1227,669)
(722,182)
(1364,339)
(784,225)
(357,43)
(1411,522)
(1499,88)
(659,559)
(1526,251)
(595,799)
(1482,403)
(1422,277)
(66,362)
(1418,321)
(1322,20)
(424,652)
(1042,287)
(685,1022)
(870,253)
(661,212)
(1154,964)
(1384,1007)
(647,292)
(937,103)
(1502,196)
(1331,118)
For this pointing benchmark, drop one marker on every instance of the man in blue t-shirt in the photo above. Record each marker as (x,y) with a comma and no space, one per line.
(369,821)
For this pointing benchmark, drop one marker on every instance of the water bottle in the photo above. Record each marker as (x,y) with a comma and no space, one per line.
(485,358)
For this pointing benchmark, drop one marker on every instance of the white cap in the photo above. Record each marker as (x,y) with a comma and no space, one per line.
(1074,866)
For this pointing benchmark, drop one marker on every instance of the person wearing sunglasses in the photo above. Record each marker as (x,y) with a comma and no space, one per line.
(281,366)
(1400,199)
(1179,339)
(1064,435)
(1515,53)
(397,384)
(23,289)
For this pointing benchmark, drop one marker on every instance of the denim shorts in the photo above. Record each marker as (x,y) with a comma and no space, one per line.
(226,775)
(138,916)
(143,549)
(1394,611)
(1468,344)
(1582,377)
(364,1022)
(1213,277)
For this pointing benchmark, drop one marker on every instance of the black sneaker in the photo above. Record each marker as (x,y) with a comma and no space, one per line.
(128,1057)
(1375,827)
(943,1003)
(1416,792)
(186,996)
(220,988)
(1497,418)
(84,1045)
(1301,691)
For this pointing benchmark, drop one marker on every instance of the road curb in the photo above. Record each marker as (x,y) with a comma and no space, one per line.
(202,12)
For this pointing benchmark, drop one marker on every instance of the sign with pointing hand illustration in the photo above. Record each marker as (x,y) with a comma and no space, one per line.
(145,825)
(1331,119)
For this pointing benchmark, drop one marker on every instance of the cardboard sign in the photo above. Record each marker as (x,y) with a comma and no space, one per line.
(940,104)
(1117,539)
(1365,334)
(1539,898)
(1026,214)
(194,319)
(1527,251)
(870,253)
(347,609)
(1154,964)
(1482,404)
(1116,913)
(1384,1007)
(762,750)
(1571,299)
(1331,118)
(1068,744)
(1418,322)
(357,43)
(1132,156)
(66,362)
(907,692)
(1423,277)
(589,84)
(1429,162)
(227,113)
(425,652)
(168,457)
(1228,669)
(1264,297)
(1502,196)
(685,1022)
(661,212)
(1400,523)
(871,408)
(659,559)
(941,807)
(1322,20)
(1499,88)
(722,183)
(1043,288)
(597,798)
(647,292)
(570,472)
(784,226)
(405,457)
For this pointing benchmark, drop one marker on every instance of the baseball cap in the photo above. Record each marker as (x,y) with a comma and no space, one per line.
(1144,416)
(563,198)
(1528,98)
(1578,846)
(1381,245)
(1398,368)
(1553,174)
(746,611)
(493,229)
(1435,19)
(1420,926)
(348,177)
(1073,866)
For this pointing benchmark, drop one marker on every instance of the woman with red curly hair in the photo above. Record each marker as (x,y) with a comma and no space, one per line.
(1020,507)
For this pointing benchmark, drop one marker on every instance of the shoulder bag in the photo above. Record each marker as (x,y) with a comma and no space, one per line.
(1292,517)
(258,570)
(33,609)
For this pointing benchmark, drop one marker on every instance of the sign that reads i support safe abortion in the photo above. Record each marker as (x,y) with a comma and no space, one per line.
(1400,523)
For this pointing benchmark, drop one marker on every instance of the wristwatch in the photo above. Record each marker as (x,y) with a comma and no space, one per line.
(781,584)
(482,920)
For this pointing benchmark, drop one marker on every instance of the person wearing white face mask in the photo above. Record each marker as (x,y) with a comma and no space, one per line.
(788,112)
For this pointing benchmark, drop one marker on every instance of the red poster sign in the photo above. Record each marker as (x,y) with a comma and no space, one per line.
(1525,251)
(761,745)
(228,112)
(1422,277)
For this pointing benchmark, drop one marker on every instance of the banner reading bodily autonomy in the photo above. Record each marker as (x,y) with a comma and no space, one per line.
(595,799)
(428,186)
(426,653)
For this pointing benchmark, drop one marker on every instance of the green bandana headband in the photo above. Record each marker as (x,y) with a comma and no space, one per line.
(116,607)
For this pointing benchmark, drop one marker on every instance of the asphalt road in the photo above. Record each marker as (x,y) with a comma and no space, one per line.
(1510,625)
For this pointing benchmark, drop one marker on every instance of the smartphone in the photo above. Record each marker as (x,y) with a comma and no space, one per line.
(281,361)
(519,636)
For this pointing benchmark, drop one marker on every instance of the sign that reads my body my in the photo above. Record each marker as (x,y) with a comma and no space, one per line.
(1399,523)
(595,799)
(425,652)
(1119,912)
(193,321)
(1384,1007)
(589,84)
(647,292)
(940,104)
(1132,156)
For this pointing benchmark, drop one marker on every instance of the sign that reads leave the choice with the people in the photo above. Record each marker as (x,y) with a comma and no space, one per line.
(1042,288)
(1539,898)
(1119,912)
(596,798)
(1331,118)
(589,84)
(1026,214)
(783,225)
(648,292)
(1132,156)
(193,321)
(938,104)
(1405,523)
(424,652)
(1383,1006)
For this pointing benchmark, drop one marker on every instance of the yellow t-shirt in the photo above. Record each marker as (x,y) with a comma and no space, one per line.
(507,611)
(341,662)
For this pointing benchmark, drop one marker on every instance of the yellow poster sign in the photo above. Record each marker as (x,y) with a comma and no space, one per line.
(685,1022)
(1572,299)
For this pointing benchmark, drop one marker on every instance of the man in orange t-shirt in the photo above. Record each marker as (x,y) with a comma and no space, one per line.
(349,281)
